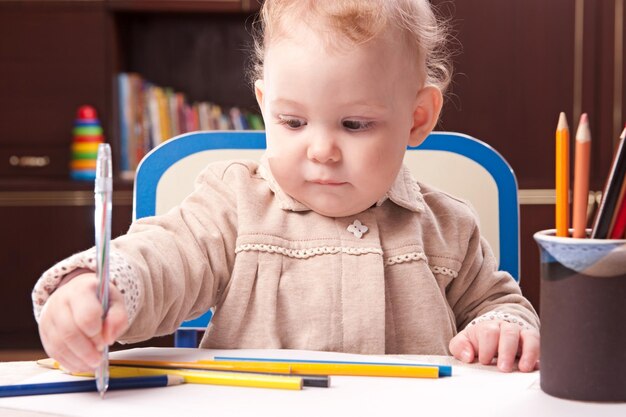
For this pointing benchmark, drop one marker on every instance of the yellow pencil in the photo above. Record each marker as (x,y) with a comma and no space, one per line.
(350,369)
(215,377)
(267,367)
(200,377)
(562,176)
(296,368)
(581,178)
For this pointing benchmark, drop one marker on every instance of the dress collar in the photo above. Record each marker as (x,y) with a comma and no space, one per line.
(405,191)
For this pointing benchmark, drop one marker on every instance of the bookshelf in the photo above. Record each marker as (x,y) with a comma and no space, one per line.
(198,48)
(60,54)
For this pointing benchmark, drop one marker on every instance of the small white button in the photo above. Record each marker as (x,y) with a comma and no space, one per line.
(357,229)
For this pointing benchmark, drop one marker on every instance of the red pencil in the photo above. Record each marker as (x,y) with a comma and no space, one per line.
(610,196)
(619,222)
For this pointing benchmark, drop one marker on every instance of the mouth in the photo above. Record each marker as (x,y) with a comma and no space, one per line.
(328,182)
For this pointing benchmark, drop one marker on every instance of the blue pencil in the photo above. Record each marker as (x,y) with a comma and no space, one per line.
(89,385)
(444,370)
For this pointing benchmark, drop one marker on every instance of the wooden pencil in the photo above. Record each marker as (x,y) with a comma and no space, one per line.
(618,205)
(581,178)
(210,377)
(89,385)
(295,367)
(322,381)
(619,227)
(214,366)
(612,190)
(356,369)
(562,176)
(618,222)
(235,379)
(444,370)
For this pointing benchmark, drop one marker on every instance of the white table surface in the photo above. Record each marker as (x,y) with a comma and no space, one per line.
(473,390)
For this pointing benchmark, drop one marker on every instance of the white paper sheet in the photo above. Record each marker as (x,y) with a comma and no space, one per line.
(471,391)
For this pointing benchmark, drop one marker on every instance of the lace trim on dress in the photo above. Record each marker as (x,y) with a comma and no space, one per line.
(121,275)
(407,257)
(500,316)
(420,256)
(444,271)
(305,253)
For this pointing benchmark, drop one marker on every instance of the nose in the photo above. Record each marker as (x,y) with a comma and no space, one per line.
(324,149)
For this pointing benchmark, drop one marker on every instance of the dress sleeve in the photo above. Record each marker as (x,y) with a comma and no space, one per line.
(480,292)
(171,267)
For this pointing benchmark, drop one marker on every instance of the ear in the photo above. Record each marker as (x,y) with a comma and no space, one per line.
(425,114)
(259,89)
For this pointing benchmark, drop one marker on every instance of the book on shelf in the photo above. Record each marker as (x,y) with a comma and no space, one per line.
(150,114)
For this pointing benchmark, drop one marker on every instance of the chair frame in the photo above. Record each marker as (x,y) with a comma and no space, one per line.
(161,158)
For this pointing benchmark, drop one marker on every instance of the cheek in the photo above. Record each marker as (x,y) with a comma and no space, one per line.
(384,156)
(284,159)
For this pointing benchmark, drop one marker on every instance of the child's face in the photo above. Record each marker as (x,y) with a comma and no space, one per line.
(338,120)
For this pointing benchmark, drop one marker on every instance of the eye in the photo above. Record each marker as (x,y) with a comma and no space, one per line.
(291,122)
(357,125)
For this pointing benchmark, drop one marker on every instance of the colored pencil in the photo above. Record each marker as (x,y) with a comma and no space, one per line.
(619,227)
(612,190)
(88,385)
(618,222)
(581,178)
(562,176)
(444,370)
(618,205)
(234,379)
(320,381)
(210,377)
(291,367)
(354,369)
(215,366)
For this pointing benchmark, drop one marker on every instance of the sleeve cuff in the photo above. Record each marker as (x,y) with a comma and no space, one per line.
(500,316)
(122,276)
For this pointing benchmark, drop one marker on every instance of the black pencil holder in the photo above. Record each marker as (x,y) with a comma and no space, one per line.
(583,317)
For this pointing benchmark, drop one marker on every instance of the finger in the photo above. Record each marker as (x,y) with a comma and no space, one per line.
(58,343)
(507,346)
(52,343)
(487,335)
(529,360)
(115,323)
(73,342)
(87,313)
(461,348)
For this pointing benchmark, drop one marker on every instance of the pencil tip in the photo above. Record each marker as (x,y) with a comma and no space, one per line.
(584,118)
(175,380)
(583,133)
(562,121)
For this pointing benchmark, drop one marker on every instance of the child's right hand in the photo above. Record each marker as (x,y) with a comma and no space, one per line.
(71,327)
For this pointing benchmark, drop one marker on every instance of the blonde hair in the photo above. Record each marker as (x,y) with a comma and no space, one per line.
(358,21)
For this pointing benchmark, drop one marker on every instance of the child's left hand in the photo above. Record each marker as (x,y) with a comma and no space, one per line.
(489,339)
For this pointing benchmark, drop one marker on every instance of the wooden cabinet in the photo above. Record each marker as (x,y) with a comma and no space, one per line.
(41,224)
(52,61)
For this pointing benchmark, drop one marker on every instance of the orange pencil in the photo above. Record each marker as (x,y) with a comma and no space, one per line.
(562,176)
(581,177)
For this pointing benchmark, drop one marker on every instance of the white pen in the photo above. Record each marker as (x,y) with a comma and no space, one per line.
(102,221)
